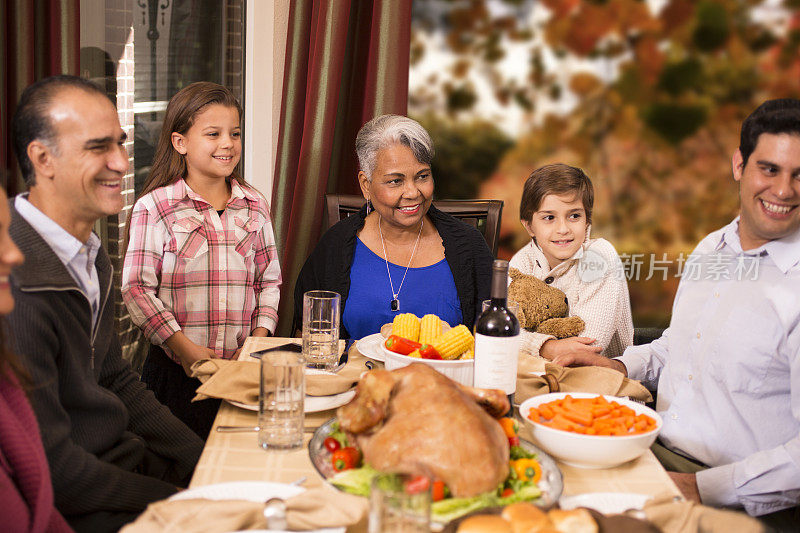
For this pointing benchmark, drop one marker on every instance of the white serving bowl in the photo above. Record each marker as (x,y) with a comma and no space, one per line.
(589,451)
(459,370)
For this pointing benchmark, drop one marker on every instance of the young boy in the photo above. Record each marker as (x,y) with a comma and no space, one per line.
(556,211)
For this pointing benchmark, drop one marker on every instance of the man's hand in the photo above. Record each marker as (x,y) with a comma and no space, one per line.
(687,484)
(590,360)
(577,346)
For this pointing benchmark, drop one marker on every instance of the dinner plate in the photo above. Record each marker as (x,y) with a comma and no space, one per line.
(605,502)
(370,346)
(311,404)
(551,483)
(252,491)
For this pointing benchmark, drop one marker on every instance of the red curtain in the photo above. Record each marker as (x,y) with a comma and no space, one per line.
(346,62)
(39,38)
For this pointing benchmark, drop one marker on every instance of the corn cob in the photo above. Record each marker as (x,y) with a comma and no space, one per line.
(416,354)
(453,342)
(406,325)
(430,327)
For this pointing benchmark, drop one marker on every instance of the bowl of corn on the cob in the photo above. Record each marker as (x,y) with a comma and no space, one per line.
(455,346)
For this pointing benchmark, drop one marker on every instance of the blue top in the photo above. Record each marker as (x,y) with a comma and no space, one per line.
(429,289)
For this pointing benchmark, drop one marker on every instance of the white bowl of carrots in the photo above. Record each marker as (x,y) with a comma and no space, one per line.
(589,430)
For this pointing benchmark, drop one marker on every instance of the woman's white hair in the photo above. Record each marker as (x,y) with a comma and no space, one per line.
(387,130)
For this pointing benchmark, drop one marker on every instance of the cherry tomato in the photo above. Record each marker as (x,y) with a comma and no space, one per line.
(507,492)
(417,484)
(513,441)
(437,490)
(331,444)
(345,458)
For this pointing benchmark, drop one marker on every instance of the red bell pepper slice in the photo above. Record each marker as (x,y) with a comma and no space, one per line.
(429,352)
(401,345)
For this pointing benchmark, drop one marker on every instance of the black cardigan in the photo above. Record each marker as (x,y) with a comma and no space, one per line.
(97,420)
(465,249)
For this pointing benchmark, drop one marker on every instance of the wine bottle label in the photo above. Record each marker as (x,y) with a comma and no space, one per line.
(496,362)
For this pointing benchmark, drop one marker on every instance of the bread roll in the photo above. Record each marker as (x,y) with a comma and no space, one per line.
(573,521)
(484,523)
(525,517)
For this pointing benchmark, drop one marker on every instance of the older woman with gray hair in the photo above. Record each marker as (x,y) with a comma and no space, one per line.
(399,254)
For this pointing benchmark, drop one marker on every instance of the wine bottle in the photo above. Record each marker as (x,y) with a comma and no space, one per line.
(497,340)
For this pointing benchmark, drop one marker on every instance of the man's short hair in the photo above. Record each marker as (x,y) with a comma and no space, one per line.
(31,121)
(558,179)
(781,115)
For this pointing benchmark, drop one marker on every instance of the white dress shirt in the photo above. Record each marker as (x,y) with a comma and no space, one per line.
(77,256)
(728,371)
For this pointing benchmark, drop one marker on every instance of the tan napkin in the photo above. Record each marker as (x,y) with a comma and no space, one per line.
(238,380)
(316,508)
(594,379)
(689,517)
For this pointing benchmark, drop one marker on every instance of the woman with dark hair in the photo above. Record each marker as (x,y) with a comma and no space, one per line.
(26,491)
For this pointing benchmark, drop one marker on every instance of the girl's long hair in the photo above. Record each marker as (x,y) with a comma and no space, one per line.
(168,165)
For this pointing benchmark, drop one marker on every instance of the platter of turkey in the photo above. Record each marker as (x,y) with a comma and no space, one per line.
(452,438)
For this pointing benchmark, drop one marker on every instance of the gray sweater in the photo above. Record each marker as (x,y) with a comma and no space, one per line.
(96,418)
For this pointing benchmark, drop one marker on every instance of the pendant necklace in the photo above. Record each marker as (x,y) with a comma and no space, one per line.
(394,305)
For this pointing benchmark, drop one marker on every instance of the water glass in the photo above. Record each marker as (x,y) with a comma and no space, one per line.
(399,504)
(321,316)
(280,400)
(511,305)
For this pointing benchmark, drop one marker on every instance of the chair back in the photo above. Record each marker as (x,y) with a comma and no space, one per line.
(484,215)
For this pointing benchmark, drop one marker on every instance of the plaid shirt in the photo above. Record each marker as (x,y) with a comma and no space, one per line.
(216,278)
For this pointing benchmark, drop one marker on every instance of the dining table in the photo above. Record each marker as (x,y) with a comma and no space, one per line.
(236,456)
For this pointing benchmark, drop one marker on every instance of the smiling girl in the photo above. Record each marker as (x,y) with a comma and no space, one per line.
(201,271)
(556,211)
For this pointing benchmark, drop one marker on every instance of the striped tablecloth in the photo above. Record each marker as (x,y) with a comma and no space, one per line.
(237,456)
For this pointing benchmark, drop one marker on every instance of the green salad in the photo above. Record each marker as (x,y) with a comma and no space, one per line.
(513,489)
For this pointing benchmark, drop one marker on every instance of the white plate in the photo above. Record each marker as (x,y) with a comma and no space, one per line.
(370,346)
(312,404)
(605,502)
(252,491)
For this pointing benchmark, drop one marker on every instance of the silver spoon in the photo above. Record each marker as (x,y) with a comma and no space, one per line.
(275,510)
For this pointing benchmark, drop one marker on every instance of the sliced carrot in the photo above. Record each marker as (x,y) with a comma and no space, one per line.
(579,417)
(591,416)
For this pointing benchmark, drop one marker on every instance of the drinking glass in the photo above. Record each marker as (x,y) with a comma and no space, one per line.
(321,316)
(511,305)
(399,502)
(280,400)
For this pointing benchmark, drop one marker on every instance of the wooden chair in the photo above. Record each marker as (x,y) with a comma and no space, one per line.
(481,214)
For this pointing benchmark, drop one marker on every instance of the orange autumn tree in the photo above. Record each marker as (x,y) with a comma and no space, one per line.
(656,137)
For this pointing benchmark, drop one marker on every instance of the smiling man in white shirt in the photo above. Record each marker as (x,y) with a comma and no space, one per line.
(727,370)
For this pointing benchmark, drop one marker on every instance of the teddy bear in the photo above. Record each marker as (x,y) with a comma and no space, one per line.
(542,307)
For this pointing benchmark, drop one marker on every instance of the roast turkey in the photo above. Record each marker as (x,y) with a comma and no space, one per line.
(415,420)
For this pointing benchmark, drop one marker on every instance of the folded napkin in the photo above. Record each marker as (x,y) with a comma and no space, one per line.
(594,379)
(238,380)
(690,517)
(316,508)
